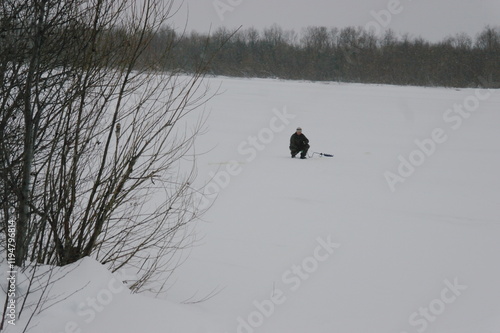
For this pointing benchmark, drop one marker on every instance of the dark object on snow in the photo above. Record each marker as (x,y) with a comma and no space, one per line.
(299,144)
(321,154)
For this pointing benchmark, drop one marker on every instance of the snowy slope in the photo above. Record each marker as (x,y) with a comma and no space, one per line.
(328,244)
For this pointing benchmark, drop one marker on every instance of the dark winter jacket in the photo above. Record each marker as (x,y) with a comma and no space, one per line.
(298,142)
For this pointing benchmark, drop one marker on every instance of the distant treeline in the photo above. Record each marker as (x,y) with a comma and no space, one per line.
(346,55)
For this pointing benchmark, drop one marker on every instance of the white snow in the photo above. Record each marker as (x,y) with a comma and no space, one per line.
(421,258)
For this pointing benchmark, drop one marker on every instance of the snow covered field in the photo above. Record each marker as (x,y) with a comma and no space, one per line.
(399,232)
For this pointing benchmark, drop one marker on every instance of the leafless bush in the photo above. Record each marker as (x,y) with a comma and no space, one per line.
(94,139)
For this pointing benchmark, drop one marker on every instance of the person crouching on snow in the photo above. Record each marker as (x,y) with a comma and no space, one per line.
(299,144)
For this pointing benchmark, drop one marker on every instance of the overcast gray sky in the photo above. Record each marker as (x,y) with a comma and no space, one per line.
(430,19)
